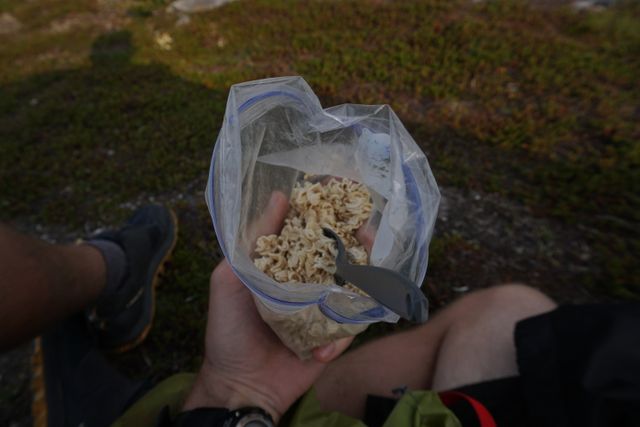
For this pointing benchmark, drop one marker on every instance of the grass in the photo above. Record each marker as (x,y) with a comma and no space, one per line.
(537,104)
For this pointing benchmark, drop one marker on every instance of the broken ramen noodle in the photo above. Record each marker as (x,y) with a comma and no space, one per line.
(301,252)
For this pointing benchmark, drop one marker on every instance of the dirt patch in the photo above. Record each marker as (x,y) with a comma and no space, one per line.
(484,239)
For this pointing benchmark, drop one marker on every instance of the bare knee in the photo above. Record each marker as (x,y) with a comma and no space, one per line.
(516,299)
(504,303)
(478,341)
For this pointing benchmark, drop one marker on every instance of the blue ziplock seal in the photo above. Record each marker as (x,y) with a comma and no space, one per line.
(368,316)
(414,196)
(255,99)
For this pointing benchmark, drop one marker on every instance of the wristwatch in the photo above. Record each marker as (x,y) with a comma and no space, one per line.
(222,417)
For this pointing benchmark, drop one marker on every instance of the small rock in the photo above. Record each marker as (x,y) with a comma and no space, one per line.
(184,19)
(193,6)
(9,24)
(164,41)
(592,5)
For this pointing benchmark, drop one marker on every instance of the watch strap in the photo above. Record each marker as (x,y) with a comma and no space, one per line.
(222,417)
(202,417)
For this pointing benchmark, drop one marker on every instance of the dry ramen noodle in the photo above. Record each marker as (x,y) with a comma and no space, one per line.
(301,253)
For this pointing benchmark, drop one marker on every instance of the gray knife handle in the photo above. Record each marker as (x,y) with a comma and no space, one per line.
(389,288)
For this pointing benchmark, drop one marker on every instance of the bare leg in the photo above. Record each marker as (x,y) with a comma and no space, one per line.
(470,341)
(41,283)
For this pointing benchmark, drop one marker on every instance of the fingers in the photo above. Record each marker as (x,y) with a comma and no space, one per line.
(328,352)
(222,273)
(366,235)
(270,222)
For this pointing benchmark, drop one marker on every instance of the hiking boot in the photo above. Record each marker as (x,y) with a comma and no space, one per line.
(122,319)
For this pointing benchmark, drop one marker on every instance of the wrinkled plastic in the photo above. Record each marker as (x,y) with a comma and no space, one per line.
(274,131)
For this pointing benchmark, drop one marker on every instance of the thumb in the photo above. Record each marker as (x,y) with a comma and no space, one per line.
(329,352)
(270,222)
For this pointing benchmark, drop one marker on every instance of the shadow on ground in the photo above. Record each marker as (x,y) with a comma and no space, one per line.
(77,143)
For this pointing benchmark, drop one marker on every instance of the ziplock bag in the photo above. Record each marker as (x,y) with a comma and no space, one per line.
(274,132)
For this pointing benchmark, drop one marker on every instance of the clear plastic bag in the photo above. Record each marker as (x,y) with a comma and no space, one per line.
(274,131)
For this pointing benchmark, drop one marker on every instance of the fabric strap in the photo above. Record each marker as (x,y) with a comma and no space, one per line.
(484,416)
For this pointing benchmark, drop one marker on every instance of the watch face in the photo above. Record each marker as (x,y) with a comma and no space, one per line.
(254,420)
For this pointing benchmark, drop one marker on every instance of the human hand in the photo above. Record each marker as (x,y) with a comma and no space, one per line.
(245,363)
